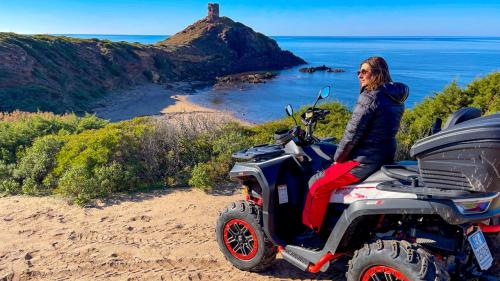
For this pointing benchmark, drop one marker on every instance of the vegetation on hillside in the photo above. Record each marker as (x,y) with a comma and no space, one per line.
(84,158)
(62,74)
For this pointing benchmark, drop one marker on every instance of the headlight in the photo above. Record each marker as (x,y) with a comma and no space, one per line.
(474,205)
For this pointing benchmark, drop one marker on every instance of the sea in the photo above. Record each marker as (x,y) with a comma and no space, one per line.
(426,64)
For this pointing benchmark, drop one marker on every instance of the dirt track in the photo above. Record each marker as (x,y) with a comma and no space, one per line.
(164,235)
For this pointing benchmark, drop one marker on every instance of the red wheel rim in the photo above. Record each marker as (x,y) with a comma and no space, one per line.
(382,272)
(240,239)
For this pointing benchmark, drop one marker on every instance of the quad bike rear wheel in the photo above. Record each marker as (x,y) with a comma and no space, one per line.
(241,238)
(394,260)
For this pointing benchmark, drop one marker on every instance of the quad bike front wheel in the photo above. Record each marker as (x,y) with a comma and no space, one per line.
(241,238)
(394,260)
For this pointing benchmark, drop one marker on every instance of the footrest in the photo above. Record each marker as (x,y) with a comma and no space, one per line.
(295,259)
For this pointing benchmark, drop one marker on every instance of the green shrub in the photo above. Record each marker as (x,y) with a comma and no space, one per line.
(18,130)
(230,138)
(208,175)
(485,93)
(83,185)
(95,163)
(8,185)
(78,183)
(37,162)
(417,122)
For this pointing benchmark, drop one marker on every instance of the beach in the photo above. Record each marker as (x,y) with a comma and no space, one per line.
(160,101)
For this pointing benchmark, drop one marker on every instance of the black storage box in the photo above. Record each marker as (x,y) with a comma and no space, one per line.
(464,156)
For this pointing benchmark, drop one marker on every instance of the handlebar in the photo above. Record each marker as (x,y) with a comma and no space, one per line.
(310,117)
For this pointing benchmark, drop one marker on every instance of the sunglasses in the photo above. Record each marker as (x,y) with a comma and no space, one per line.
(363,71)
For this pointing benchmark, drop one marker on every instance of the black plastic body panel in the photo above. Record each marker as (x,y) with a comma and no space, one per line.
(266,173)
(446,209)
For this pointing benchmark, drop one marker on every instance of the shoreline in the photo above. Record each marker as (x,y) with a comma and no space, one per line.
(155,101)
(182,106)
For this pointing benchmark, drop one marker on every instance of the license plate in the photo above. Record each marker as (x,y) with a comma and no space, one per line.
(481,250)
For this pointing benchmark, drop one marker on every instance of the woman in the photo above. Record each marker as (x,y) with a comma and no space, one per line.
(369,140)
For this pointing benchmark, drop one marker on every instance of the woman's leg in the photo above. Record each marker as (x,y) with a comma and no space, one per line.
(318,197)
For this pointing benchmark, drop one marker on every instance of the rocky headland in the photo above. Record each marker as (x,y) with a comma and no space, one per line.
(60,74)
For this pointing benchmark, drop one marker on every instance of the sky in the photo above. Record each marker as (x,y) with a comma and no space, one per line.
(271,17)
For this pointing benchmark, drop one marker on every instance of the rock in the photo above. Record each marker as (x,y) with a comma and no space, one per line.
(320,68)
(246,77)
(336,70)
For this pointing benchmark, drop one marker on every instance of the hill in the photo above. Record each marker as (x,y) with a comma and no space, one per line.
(61,74)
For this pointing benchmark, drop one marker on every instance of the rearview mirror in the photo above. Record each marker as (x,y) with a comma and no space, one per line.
(289,110)
(324,93)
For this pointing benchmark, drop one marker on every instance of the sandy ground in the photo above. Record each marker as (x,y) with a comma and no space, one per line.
(157,100)
(162,235)
(183,108)
(148,99)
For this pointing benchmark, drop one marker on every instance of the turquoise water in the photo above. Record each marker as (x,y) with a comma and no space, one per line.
(425,64)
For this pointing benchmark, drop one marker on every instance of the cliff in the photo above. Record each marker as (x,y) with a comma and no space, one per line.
(60,74)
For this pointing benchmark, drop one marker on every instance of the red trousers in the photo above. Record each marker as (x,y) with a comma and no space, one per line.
(318,197)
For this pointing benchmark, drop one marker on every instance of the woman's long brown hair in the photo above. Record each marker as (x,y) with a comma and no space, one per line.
(380,72)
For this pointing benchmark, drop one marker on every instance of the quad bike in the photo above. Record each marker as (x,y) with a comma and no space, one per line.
(412,220)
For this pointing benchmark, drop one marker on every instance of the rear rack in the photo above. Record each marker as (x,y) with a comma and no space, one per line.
(398,186)
(408,180)
(408,174)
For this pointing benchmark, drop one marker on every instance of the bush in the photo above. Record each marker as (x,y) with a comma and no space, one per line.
(95,163)
(206,176)
(36,164)
(485,93)
(416,123)
(231,138)
(18,129)
(8,185)
(83,185)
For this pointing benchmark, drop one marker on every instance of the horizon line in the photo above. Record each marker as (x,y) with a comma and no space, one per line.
(125,34)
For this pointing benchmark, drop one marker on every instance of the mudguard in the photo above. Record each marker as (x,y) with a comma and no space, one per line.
(266,174)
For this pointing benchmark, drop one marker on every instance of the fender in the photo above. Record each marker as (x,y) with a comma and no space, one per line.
(266,173)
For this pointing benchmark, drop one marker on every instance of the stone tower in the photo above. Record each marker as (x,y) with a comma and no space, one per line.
(213,10)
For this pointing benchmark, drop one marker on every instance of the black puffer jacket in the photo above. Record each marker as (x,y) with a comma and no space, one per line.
(370,135)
